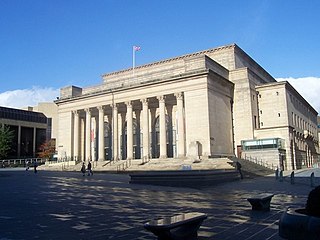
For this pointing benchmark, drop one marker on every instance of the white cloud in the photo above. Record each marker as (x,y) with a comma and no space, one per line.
(27,97)
(308,87)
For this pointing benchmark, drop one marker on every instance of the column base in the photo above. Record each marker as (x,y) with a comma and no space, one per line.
(163,157)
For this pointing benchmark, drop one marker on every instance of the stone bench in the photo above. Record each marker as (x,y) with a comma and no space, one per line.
(261,201)
(178,227)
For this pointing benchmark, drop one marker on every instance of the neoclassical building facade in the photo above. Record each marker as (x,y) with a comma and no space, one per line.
(196,106)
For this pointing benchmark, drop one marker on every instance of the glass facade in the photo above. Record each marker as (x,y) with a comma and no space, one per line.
(22,115)
(258,144)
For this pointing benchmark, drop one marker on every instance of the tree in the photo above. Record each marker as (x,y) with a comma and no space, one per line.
(47,149)
(6,136)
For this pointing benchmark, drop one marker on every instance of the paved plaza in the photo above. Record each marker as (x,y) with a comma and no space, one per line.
(66,205)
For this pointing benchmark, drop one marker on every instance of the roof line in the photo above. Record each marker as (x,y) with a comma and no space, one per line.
(171,59)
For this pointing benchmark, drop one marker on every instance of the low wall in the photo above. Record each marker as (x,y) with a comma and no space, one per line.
(188,178)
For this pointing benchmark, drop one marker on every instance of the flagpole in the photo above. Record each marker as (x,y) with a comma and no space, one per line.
(133,60)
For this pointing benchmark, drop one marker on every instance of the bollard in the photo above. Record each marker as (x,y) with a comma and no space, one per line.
(281,176)
(292,178)
(312,179)
(277,173)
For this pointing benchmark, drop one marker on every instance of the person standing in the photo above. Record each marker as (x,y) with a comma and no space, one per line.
(83,169)
(89,169)
(35,165)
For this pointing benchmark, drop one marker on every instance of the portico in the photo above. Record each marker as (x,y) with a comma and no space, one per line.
(126,118)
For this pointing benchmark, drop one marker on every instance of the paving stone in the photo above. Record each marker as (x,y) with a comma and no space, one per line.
(66,205)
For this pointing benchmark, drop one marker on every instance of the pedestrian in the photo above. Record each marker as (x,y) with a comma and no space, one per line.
(89,169)
(83,169)
(35,166)
(27,165)
(238,165)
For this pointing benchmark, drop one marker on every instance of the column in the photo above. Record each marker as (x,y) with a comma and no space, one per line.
(138,134)
(153,140)
(115,132)
(122,150)
(162,127)
(87,152)
(76,135)
(145,127)
(129,131)
(101,154)
(181,128)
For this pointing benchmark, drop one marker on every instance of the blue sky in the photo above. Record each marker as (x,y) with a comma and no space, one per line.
(49,44)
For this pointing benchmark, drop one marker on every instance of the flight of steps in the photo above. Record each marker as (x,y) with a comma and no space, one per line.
(152,165)
(167,164)
(251,169)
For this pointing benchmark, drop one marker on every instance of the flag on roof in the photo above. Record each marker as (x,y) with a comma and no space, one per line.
(136,48)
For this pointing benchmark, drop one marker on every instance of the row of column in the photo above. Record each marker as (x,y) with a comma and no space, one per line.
(145,130)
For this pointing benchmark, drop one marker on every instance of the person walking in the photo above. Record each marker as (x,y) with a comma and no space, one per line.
(238,165)
(27,165)
(89,169)
(83,169)
(35,165)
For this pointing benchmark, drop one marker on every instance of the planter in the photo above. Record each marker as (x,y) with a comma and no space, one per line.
(296,224)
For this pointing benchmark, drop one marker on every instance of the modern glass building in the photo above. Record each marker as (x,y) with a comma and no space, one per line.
(29,130)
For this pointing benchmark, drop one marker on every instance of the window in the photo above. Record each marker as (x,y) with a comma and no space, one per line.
(278,114)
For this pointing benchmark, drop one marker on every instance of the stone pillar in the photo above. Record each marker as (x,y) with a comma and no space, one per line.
(181,128)
(101,154)
(115,133)
(138,134)
(87,152)
(129,130)
(162,127)
(145,127)
(76,135)
(153,132)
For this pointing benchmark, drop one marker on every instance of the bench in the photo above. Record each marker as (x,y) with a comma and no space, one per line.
(178,227)
(261,201)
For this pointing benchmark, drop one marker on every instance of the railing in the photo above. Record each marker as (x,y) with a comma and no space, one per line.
(261,162)
(145,160)
(21,162)
(65,159)
(123,166)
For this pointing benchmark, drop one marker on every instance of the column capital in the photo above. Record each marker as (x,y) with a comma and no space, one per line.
(129,103)
(144,101)
(101,108)
(161,98)
(179,95)
(87,110)
(114,106)
(75,112)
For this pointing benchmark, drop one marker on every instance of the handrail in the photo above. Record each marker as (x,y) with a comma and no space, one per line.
(124,166)
(261,162)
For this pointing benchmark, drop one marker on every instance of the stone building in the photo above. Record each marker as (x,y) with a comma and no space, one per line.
(285,132)
(199,106)
(29,131)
